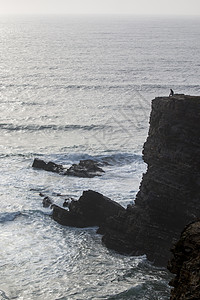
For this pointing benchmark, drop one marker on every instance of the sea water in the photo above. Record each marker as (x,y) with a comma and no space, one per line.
(71,88)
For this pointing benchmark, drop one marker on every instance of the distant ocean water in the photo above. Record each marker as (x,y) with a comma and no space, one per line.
(74,88)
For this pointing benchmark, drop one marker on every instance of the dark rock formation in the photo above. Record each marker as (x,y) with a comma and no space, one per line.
(92,209)
(169,193)
(86,168)
(186,264)
(50,166)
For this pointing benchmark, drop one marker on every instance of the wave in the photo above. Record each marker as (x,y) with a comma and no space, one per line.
(133,293)
(20,155)
(9,216)
(74,86)
(119,158)
(112,159)
(166,86)
(144,290)
(3,295)
(127,86)
(34,127)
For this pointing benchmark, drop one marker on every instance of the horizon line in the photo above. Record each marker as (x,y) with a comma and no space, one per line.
(98,14)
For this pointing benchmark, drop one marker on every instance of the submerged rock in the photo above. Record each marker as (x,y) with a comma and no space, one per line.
(92,209)
(186,264)
(169,193)
(86,168)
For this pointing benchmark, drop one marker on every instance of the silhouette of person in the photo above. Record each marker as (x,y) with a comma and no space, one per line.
(66,203)
(171,93)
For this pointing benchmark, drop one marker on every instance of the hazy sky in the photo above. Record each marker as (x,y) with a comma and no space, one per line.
(191,7)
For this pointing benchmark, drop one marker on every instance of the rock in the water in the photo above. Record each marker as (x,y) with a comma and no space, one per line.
(50,166)
(186,264)
(92,209)
(86,168)
(47,201)
(169,193)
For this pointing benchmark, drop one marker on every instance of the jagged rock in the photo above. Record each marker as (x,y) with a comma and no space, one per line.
(86,168)
(169,193)
(186,264)
(92,209)
(50,166)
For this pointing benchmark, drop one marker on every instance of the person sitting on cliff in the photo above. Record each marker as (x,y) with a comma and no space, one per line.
(66,203)
(171,93)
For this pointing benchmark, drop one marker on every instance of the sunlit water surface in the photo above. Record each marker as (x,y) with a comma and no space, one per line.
(74,88)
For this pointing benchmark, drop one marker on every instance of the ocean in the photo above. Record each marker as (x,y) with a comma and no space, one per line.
(72,88)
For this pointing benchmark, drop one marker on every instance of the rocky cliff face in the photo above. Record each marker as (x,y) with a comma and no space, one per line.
(169,195)
(186,264)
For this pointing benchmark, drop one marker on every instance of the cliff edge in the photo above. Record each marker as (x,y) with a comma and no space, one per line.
(168,198)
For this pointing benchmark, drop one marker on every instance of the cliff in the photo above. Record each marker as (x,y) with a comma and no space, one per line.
(169,193)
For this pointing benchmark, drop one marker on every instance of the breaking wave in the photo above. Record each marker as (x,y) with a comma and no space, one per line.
(9,216)
(126,86)
(113,159)
(34,127)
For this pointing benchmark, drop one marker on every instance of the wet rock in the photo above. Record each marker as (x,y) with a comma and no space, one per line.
(46,202)
(92,209)
(186,264)
(41,195)
(169,193)
(50,166)
(86,168)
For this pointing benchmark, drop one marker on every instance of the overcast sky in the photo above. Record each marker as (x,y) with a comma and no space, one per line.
(181,7)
